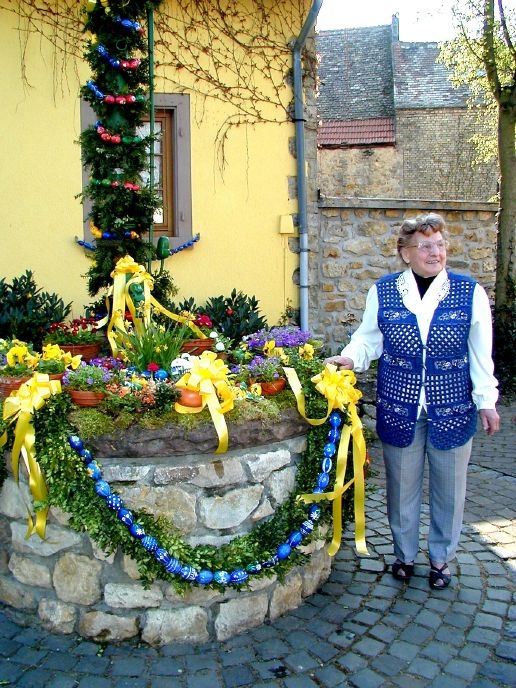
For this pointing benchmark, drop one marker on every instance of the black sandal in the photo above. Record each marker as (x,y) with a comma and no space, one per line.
(402,571)
(438,579)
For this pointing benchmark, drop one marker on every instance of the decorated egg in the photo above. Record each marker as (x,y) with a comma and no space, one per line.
(238,576)
(326,465)
(137,530)
(150,543)
(94,470)
(188,572)
(333,434)
(221,577)
(160,374)
(270,562)
(335,420)
(253,568)
(322,480)
(102,488)
(306,527)
(329,449)
(204,577)
(284,551)
(173,565)
(295,538)
(125,516)
(114,502)
(314,512)
(162,555)
(86,455)
(75,442)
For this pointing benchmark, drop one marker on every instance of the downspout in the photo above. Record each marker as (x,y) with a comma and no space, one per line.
(299,120)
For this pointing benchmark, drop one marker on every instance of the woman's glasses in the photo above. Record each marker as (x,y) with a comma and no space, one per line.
(428,246)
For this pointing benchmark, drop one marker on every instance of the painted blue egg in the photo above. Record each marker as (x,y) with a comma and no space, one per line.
(284,551)
(317,490)
(125,516)
(270,562)
(204,577)
(253,568)
(161,374)
(114,502)
(75,442)
(326,465)
(221,577)
(102,488)
(322,480)
(188,572)
(137,530)
(335,419)
(238,576)
(329,449)
(94,470)
(295,538)
(333,434)
(306,527)
(314,512)
(86,455)
(173,565)
(150,543)
(162,555)
(146,374)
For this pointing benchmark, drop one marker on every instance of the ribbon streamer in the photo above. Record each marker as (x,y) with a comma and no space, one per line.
(208,376)
(19,408)
(126,275)
(338,388)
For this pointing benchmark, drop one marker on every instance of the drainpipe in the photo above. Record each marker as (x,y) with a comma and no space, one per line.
(299,120)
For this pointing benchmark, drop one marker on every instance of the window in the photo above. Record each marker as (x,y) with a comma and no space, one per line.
(172,166)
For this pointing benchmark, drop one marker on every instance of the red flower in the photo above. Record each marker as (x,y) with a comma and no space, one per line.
(152,367)
(229,311)
(203,321)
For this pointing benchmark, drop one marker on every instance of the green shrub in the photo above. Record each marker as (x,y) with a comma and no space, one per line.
(235,316)
(26,312)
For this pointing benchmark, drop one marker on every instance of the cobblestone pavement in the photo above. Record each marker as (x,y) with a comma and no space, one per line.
(362,629)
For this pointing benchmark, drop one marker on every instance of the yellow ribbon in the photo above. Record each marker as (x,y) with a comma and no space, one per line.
(19,407)
(128,273)
(338,388)
(208,376)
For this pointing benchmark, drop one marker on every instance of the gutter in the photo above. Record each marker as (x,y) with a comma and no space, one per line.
(299,120)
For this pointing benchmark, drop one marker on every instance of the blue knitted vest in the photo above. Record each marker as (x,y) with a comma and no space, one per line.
(450,408)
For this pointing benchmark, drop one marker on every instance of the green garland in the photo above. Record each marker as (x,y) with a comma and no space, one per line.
(71,488)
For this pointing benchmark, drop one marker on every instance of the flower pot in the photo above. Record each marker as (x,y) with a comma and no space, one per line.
(87,351)
(83,397)
(10,384)
(190,397)
(195,347)
(269,389)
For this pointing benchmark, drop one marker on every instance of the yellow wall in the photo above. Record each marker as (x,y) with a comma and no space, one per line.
(237,211)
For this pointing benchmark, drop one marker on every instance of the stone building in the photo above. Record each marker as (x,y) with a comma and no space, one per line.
(393,142)
(391,123)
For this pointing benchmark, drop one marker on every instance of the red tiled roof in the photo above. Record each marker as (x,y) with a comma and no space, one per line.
(357,132)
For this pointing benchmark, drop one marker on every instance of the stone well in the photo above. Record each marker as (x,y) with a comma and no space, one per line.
(68,585)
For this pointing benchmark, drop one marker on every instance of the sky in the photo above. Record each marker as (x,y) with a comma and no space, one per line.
(419,20)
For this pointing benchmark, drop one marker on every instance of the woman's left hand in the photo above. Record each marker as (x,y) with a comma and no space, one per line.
(490,420)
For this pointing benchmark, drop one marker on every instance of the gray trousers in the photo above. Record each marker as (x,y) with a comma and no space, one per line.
(447,493)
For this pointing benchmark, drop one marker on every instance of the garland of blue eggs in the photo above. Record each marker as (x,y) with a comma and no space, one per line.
(131,63)
(173,251)
(205,577)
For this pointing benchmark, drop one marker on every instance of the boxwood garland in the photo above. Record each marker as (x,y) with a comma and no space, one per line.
(75,485)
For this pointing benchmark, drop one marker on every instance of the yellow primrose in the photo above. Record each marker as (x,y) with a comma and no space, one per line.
(17,354)
(306,352)
(269,348)
(52,351)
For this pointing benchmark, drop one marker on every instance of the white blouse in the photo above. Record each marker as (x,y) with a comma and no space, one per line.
(366,343)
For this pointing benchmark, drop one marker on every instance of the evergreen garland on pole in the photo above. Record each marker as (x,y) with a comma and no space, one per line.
(116,155)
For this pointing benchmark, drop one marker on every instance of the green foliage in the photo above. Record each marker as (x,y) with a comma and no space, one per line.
(236,315)
(157,344)
(72,490)
(26,311)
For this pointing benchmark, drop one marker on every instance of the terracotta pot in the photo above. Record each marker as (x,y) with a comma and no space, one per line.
(195,347)
(87,351)
(85,398)
(190,397)
(269,389)
(10,384)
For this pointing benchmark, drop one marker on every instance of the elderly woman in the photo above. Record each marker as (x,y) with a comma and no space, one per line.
(431,331)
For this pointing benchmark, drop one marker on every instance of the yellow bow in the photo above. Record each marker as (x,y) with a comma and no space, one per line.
(208,376)
(128,273)
(19,407)
(338,388)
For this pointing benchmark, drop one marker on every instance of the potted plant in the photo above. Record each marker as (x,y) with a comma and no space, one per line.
(265,371)
(18,362)
(87,384)
(78,336)
(152,349)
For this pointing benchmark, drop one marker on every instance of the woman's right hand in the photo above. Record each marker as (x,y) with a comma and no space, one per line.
(342,362)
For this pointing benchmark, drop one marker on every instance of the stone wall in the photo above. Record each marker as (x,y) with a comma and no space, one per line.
(355,244)
(68,585)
